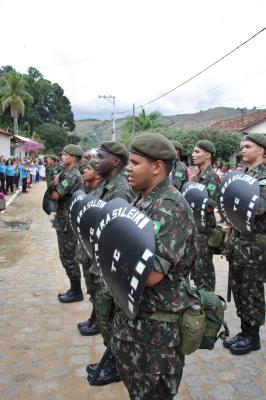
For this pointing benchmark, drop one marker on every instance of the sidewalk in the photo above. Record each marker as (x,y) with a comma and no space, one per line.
(42,355)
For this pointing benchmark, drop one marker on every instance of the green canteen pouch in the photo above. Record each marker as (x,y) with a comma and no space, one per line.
(216,239)
(105,305)
(192,328)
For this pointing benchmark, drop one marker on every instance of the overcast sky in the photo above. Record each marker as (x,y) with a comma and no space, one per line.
(137,50)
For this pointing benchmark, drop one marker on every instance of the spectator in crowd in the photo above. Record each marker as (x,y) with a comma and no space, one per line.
(17,174)
(218,167)
(24,175)
(33,171)
(41,171)
(225,170)
(10,172)
(2,175)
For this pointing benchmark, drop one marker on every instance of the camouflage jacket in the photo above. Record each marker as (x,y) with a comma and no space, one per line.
(211,180)
(51,172)
(175,238)
(69,181)
(118,187)
(179,174)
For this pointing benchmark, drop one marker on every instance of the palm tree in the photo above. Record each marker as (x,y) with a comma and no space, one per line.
(13,94)
(144,121)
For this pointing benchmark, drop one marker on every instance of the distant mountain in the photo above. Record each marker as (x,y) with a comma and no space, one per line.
(99,131)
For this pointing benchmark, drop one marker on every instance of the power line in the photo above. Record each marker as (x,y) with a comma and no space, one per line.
(197,74)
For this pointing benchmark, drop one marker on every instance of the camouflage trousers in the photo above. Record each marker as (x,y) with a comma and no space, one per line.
(67,252)
(104,308)
(248,292)
(89,280)
(203,273)
(149,364)
(86,262)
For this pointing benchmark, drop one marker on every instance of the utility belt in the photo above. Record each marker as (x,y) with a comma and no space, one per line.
(165,316)
(259,238)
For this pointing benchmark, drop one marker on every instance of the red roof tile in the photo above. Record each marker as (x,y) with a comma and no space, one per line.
(240,124)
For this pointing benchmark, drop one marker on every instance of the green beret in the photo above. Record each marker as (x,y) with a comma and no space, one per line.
(154,146)
(91,164)
(257,138)
(178,145)
(73,150)
(53,157)
(206,145)
(117,149)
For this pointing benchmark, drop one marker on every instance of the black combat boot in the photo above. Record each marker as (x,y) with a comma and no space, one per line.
(90,327)
(250,341)
(232,340)
(107,375)
(73,294)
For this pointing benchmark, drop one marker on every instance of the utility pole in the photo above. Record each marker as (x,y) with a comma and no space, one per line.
(111,99)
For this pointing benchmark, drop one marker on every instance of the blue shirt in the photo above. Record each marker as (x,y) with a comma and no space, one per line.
(2,168)
(23,173)
(10,170)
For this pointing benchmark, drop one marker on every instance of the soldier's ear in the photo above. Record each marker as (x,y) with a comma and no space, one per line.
(158,167)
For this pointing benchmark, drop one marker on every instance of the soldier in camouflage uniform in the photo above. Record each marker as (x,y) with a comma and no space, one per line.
(52,169)
(247,257)
(204,274)
(112,158)
(146,347)
(92,183)
(179,172)
(61,191)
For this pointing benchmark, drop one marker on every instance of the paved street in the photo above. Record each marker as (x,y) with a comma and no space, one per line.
(42,355)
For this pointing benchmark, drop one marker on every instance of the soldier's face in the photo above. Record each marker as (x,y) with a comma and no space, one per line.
(250,151)
(67,159)
(199,156)
(140,172)
(104,163)
(89,174)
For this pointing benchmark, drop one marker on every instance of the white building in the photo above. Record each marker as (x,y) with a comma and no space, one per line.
(5,143)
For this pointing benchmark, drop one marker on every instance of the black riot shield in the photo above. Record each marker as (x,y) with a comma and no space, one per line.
(48,205)
(125,247)
(197,196)
(74,209)
(88,214)
(239,200)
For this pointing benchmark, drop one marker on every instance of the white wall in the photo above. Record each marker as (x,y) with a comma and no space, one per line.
(259,128)
(5,145)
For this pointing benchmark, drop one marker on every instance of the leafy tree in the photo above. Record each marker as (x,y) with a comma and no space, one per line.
(226,142)
(54,137)
(13,95)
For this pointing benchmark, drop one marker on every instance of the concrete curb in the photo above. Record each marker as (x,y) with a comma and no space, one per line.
(11,199)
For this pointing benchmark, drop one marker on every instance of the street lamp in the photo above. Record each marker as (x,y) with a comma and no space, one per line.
(111,99)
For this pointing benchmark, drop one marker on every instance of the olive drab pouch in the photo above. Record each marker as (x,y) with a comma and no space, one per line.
(105,305)
(216,239)
(213,306)
(192,328)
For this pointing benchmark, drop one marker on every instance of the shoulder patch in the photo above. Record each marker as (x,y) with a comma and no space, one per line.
(156,227)
(211,187)
(262,182)
(178,174)
(65,184)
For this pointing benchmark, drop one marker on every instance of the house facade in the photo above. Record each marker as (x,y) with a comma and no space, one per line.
(250,123)
(5,138)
